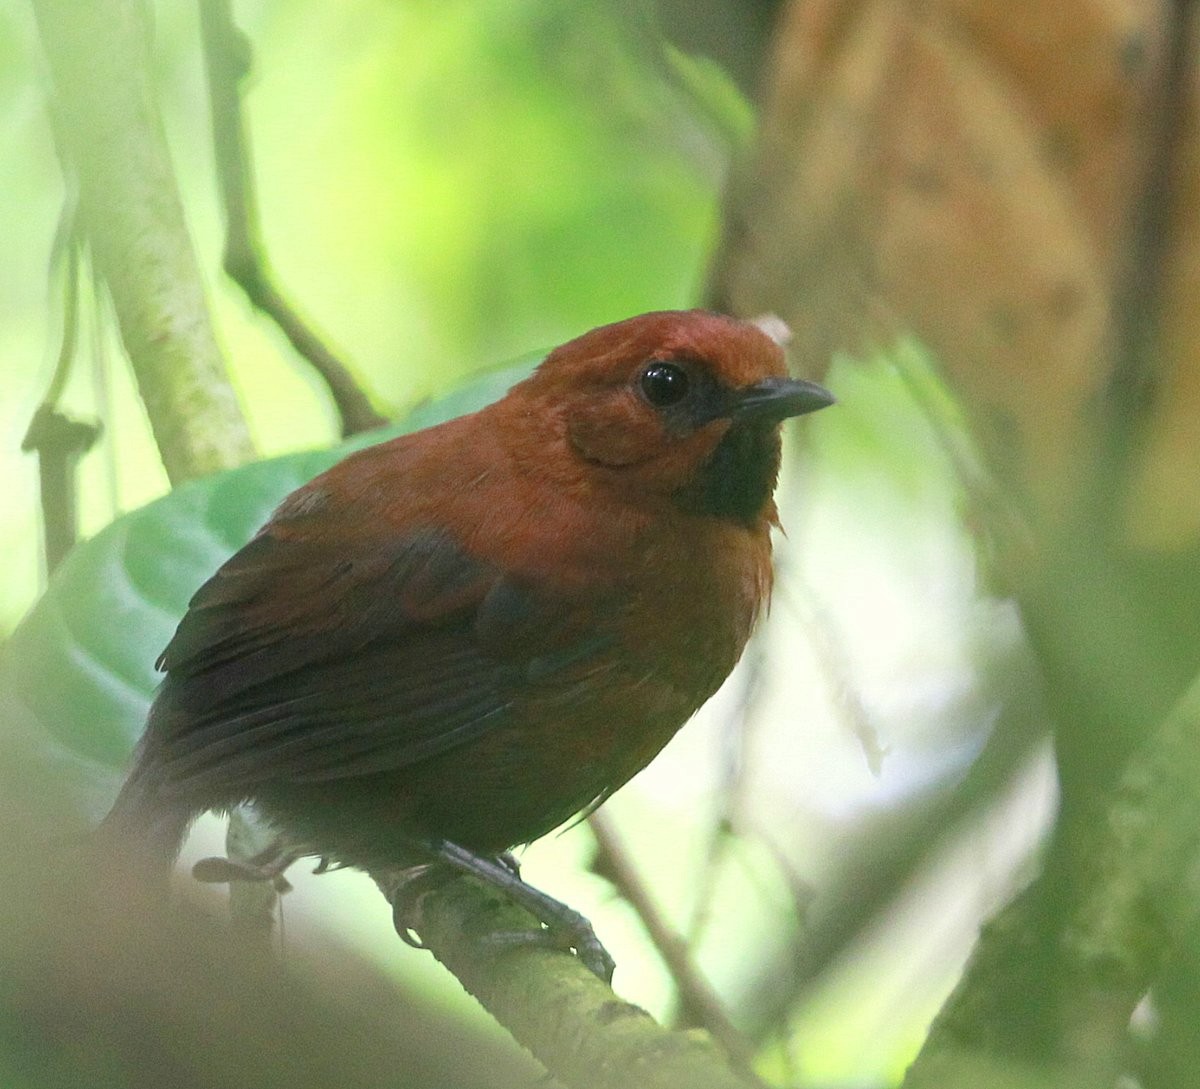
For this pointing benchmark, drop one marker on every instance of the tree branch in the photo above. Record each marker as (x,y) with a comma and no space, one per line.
(110,133)
(59,442)
(111,136)
(1138,291)
(568,1019)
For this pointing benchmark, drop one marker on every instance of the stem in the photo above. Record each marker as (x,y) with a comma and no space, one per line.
(111,136)
(227,53)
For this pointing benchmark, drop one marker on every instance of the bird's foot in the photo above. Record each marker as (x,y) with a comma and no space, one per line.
(268,865)
(408,890)
(564,928)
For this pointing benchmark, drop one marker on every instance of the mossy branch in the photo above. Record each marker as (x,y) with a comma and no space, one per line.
(569,1020)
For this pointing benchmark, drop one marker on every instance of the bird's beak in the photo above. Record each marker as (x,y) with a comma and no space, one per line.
(775,399)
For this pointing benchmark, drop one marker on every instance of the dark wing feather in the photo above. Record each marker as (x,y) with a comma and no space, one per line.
(302,660)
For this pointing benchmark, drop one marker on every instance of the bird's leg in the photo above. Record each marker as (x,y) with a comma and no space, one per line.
(565,927)
(268,865)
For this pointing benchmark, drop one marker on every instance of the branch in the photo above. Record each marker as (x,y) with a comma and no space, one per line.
(1138,902)
(227,55)
(568,1019)
(58,440)
(111,134)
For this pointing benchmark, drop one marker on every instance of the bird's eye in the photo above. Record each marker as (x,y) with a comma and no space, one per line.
(665,384)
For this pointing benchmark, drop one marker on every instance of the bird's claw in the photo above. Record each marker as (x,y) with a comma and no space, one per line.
(408,890)
(591,952)
(571,930)
(510,862)
(580,939)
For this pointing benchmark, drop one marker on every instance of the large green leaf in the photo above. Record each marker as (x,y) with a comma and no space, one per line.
(78,673)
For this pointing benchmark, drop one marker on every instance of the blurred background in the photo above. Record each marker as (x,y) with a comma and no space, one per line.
(448,186)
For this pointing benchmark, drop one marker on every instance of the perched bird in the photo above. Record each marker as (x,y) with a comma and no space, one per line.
(450,643)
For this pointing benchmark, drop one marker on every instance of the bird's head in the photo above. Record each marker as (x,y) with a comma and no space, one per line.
(678,404)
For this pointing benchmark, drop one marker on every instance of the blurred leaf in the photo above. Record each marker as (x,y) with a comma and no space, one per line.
(82,662)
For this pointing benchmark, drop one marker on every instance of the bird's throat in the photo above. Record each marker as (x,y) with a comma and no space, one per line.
(737,480)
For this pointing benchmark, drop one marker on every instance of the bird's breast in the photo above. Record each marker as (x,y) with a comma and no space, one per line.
(673,628)
(628,625)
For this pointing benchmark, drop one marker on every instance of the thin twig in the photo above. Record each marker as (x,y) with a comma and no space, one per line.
(737,729)
(70,330)
(698,1004)
(887,860)
(58,440)
(833,667)
(227,55)
(728,823)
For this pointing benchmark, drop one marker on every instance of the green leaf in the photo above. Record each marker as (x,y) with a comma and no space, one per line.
(78,674)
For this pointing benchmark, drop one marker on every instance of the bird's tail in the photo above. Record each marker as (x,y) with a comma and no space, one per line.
(145,827)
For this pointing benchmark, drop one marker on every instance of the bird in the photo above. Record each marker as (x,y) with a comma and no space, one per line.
(453,642)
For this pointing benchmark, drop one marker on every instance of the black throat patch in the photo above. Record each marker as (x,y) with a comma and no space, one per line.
(737,480)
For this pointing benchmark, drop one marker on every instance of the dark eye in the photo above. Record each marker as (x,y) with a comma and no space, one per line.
(665,384)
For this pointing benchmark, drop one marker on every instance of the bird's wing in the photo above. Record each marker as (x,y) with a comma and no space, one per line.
(305,661)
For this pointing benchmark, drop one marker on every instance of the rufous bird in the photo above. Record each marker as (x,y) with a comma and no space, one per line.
(452,642)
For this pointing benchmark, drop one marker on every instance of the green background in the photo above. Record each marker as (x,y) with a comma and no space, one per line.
(446,187)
